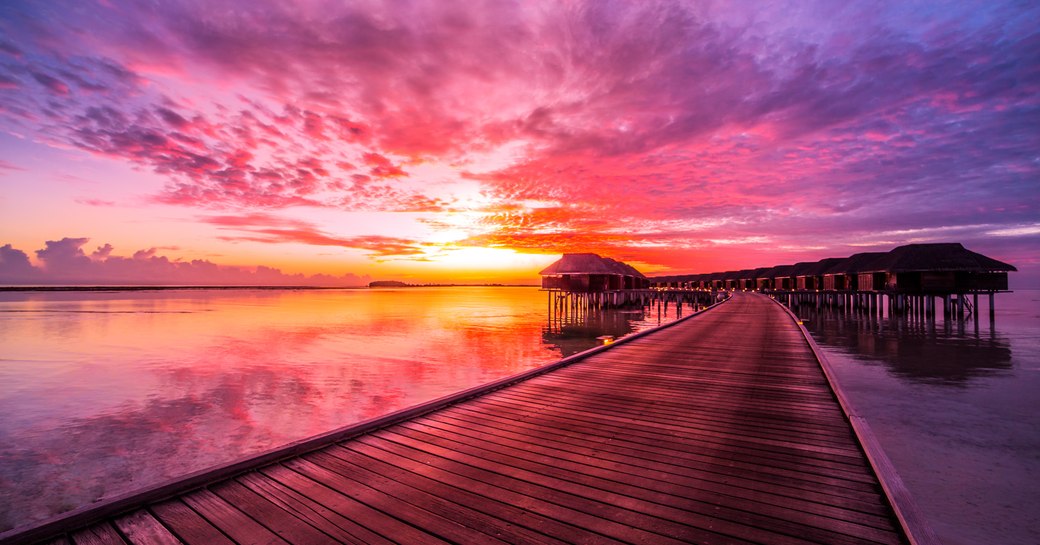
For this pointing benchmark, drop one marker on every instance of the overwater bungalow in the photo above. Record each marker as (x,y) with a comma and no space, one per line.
(590,273)
(844,275)
(783,279)
(810,276)
(730,280)
(938,269)
(750,280)
(764,278)
(908,279)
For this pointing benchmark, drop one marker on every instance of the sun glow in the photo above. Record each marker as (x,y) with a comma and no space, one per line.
(471,258)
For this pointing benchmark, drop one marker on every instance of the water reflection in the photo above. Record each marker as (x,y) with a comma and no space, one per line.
(914,349)
(570,334)
(107,392)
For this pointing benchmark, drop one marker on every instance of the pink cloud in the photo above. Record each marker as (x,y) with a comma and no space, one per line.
(4,165)
(266,228)
(630,127)
(95,202)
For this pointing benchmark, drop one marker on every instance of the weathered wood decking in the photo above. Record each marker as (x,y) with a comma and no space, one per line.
(721,429)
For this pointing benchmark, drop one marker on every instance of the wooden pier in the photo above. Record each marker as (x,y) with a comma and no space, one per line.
(719,429)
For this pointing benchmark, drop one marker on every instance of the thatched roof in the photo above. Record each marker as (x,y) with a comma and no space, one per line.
(821,266)
(625,269)
(855,263)
(757,273)
(765,272)
(802,268)
(936,257)
(589,264)
(782,271)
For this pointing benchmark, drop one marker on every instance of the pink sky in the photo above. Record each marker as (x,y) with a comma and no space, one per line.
(437,141)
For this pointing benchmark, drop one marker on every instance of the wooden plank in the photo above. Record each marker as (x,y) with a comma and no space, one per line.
(349,511)
(636,409)
(450,509)
(668,410)
(722,469)
(372,495)
(486,504)
(654,432)
(321,517)
(188,525)
(99,534)
(704,442)
(806,470)
(631,511)
(664,499)
(625,467)
(233,522)
(589,515)
(141,528)
(281,522)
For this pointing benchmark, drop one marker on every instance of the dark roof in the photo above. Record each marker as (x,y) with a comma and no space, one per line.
(854,263)
(802,268)
(909,258)
(821,266)
(757,273)
(765,272)
(625,268)
(589,264)
(936,257)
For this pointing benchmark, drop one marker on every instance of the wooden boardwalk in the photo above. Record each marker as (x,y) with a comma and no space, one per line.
(721,429)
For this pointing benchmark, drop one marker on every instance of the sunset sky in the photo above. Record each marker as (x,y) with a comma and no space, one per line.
(192,142)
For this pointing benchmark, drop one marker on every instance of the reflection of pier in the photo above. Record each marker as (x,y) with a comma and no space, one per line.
(578,321)
(915,347)
(568,307)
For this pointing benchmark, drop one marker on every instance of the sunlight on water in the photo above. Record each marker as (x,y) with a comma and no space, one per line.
(108,392)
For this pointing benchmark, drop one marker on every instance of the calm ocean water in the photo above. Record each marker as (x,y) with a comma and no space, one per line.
(102,393)
(956,408)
